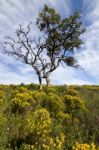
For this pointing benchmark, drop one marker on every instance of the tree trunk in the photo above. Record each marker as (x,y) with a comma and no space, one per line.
(47,80)
(40,81)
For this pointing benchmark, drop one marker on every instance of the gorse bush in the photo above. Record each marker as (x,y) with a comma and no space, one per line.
(56,118)
(72,92)
(85,146)
(74,104)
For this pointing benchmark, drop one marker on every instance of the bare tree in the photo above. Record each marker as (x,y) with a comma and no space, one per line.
(27,50)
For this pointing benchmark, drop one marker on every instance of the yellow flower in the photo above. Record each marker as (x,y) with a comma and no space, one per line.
(84,146)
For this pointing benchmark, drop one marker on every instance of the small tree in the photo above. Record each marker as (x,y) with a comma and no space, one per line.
(61,36)
(56,45)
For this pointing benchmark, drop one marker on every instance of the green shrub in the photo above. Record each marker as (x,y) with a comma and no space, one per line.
(54,118)
(74,104)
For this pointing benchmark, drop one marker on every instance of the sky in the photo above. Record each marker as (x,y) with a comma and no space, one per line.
(15,12)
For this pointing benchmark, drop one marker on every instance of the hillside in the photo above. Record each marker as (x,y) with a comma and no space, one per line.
(56,118)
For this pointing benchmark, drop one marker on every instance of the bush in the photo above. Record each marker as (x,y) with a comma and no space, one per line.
(72,92)
(84,146)
(74,104)
(52,119)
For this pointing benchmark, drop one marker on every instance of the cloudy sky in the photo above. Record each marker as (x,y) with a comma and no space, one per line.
(15,12)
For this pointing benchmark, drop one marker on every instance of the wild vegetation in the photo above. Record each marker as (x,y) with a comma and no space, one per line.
(45,117)
(54,118)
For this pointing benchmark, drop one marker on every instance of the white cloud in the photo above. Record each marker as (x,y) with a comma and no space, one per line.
(89,57)
(67,76)
(9,77)
(25,69)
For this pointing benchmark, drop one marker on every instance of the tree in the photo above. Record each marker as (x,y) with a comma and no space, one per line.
(55,47)
(61,37)
(27,50)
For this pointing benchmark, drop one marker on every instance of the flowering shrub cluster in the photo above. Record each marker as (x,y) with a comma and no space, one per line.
(57,118)
(85,146)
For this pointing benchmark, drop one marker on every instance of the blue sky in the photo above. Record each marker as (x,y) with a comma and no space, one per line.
(15,12)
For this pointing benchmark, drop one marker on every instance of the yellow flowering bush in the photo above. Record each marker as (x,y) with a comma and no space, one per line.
(21,101)
(53,103)
(59,141)
(72,92)
(49,119)
(84,146)
(1,97)
(1,94)
(21,89)
(39,97)
(74,104)
(64,117)
(27,147)
(38,125)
